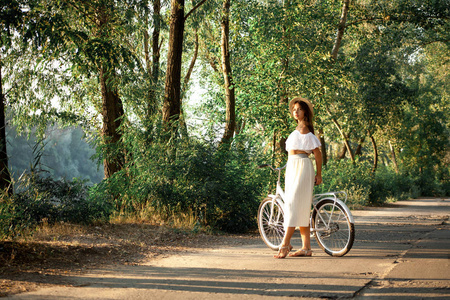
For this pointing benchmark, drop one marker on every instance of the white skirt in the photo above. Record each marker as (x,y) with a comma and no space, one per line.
(299,185)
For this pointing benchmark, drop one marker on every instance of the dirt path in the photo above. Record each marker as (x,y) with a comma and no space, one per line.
(400,252)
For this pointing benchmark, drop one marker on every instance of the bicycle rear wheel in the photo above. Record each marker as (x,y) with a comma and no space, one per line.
(270,223)
(333,230)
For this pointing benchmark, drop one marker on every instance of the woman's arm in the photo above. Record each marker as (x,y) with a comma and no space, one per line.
(318,158)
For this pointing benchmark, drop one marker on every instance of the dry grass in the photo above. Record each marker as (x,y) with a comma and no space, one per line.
(51,252)
(183,220)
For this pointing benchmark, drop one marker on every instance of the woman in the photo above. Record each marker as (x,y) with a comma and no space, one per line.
(300,179)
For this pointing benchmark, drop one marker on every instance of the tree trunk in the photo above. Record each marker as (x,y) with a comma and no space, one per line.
(230,119)
(211,60)
(155,40)
(341,155)
(187,77)
(152,65)
(240,126)
(112,109)
(341,28)
(172,95)
(394,159)
(375,153)
(112,113)
(349,149)
(5,176)
(148,65)
(323,147)
(359,148)
(343,135)
(146,45)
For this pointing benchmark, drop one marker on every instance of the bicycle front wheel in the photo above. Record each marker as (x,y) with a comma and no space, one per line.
(332,228)
(270,223)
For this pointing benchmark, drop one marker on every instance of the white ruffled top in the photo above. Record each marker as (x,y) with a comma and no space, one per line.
(302,141)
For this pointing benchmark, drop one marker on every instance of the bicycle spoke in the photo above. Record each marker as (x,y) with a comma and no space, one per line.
(270,223)
(332,228)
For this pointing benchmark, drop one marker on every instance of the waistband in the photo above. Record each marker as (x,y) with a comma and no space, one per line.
(300,155)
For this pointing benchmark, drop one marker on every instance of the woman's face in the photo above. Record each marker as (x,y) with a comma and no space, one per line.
(297,112)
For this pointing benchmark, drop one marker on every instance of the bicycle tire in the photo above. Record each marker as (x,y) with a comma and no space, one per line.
(338,238)
(270,223)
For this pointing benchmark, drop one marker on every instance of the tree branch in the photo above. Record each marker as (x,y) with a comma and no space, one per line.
(437,41)
(191,66)
(194,8)
(341,28)
(82,11)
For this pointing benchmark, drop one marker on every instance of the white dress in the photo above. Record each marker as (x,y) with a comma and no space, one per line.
(299,180)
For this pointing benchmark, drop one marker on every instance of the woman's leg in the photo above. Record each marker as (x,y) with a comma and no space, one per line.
(306,237)
(286,244)
(306,243)
(287,236)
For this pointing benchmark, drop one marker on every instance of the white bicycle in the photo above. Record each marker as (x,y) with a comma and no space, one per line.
(331,220)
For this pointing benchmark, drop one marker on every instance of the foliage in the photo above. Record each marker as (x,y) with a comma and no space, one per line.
(220,188)
(354,179)
(390,186)
(40,198)
(366,188)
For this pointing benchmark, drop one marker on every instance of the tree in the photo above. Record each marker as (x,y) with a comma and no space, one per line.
(5,177)
(388,35)
(172,95)
(172,102)
(88,37)
(334,54)
(11,18)
(230,120)
(279,54)
(100,17)
(152,66)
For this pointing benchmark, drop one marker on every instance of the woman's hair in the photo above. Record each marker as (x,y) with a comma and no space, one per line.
(307,112)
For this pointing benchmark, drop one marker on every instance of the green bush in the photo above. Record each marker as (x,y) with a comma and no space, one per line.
(39,198)
(428,184)
(367,188)
(220,187)
(388,185)
(354,179)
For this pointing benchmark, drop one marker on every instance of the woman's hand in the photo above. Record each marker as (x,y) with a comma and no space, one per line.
(318,180)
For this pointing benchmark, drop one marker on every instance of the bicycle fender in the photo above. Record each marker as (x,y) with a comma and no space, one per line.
(343,205)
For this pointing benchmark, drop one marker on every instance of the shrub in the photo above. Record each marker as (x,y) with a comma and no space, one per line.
(389,185)
(221,188)
(39,198)
(354,179)
(367,188)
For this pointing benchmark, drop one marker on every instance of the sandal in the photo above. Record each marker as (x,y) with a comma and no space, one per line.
(283,254)
(301,252)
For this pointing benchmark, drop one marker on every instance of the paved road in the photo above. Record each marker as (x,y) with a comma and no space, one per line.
(400,252)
